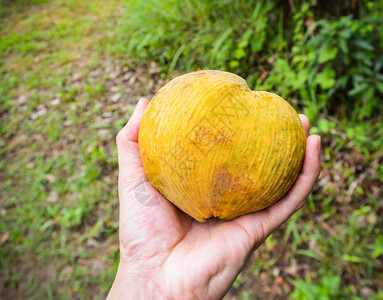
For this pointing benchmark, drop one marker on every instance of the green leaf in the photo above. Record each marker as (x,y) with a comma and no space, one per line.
(234,64)
(324,125)
(326,79)
(351,258)
(243,43)
(332,284)
(362,44)
(326,53)
(239,53)
(301,78)
(343,46)
(309,254)
(377,250)
(379,86)
(358,89)
(350,132)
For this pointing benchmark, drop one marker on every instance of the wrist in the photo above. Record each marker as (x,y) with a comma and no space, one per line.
(131,284)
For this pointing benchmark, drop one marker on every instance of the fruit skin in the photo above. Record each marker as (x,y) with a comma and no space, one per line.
(214,148)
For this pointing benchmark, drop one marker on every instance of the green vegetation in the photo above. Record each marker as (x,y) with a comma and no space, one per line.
(58,158)
(70,74)
(300,52)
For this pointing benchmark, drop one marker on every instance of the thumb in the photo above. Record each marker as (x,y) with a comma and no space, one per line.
(129,159)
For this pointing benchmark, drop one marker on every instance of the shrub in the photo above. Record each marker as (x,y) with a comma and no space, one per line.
(324,57)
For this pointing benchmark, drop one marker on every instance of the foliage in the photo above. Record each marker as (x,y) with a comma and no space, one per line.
(193,34)
(336,60)
(322,61)
(328,288)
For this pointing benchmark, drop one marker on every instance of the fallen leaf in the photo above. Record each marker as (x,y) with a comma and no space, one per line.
(328,228)
(291,270)
(42,110)
(91,243)
(264,74)
(17,141)
(55,101)
(280,281)
(21,100)
(53,196)
(30,165)
(50,178)
(4,237)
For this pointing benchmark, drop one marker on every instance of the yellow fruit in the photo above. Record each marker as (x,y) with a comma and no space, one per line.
(214,148)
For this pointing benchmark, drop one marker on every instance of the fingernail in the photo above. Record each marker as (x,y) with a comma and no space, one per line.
(319,145)
(137,105)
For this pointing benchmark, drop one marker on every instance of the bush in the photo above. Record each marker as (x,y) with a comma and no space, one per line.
(194,34)
(333,62)
(324,57)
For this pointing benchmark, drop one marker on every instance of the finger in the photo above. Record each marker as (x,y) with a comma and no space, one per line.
(261,224)
(130,130)
(127,138)
(129,159)
(305,123)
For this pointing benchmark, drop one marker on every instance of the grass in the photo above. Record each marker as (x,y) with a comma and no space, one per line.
(58,173)
(61,65)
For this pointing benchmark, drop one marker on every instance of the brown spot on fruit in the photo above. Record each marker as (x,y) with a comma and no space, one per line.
(224,182)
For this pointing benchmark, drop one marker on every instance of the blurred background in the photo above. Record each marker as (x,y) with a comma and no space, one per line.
(71,73)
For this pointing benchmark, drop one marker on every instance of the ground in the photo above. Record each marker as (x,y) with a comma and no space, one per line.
(66,90)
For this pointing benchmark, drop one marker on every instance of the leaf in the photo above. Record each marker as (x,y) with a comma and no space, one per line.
(326,79)
(239,53)
(309,254)
(379,86)
(363,57)
(377,250)
(175,58)
(257,44)
(221,40)
(4,237)
(234,64)
(331,284)
(345,33)
(351,258)
(326,53)
(358,89)
(324,125)
(243,43)
(343,46)
(300,79)
(350,132)
(362,44)
(304,290)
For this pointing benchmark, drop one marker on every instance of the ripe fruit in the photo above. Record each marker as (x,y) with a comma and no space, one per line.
(214,148)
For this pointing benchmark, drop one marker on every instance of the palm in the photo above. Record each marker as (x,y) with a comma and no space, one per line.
(180,253)
(187,249)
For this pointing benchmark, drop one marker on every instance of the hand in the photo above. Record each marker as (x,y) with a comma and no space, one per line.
(165,254)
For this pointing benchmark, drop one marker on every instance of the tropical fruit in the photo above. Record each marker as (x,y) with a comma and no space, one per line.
(215,148)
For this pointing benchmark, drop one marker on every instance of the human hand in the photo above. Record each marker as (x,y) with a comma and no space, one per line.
(166,254)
